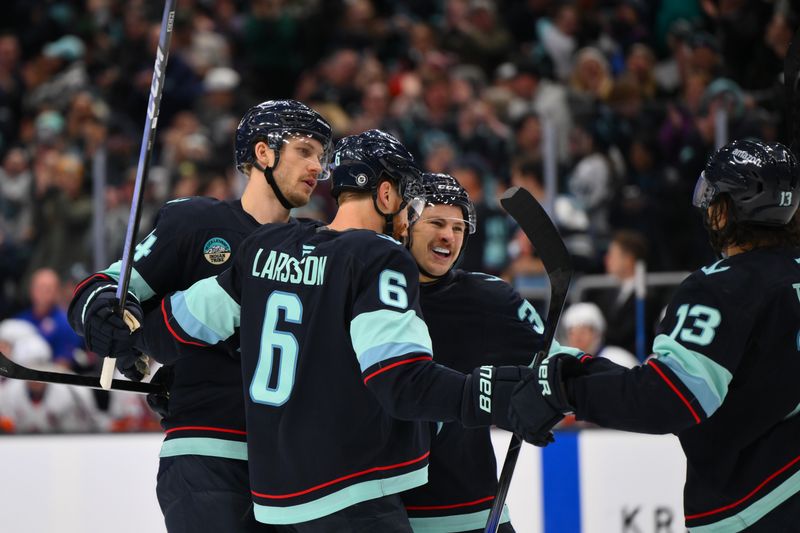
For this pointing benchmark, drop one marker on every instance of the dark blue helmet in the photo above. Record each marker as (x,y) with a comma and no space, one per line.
(272,121)
(361,162)
(445,189)
(762,179)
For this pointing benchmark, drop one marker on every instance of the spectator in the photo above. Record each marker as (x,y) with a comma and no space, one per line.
(559,38)
(63,215)
(50,319)
(33,407)
(585,330)
(570,218)
(619,304)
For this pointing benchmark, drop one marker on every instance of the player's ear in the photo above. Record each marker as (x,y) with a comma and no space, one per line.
(386,193)
(264,154)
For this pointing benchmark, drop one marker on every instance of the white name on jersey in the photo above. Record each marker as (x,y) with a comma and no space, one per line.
(280,266)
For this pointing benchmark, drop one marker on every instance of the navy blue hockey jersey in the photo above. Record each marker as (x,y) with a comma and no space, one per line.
(336,361)
(473,319)
(193,238)
(723,377)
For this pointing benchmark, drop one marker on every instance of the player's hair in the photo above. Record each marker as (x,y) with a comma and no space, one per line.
(346,196)
(746,234)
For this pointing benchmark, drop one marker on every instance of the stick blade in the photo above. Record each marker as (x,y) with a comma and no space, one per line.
(540,230)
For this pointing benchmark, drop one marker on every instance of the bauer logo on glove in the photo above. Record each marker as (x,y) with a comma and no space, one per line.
(485,399)
(545,384)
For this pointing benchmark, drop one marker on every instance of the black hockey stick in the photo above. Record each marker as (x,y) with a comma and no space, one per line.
(791,83)
(12,370)
(542,233)
(142,169)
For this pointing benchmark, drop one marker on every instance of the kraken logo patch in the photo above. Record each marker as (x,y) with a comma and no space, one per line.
(217,250)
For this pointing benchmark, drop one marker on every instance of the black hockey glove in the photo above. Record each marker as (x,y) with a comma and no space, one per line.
(134,367)
(540,401)
(159,401)
(487,393)
(105,332)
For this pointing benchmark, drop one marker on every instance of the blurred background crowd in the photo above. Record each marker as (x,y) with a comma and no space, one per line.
(622,100)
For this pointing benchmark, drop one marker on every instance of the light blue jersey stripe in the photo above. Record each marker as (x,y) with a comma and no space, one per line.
(376,354)
(226,449)
(382,334)
(137,285)
(206,312)
(555,348)
(360,492)
(707,379)
(754,511)
(455,523)
(793,413)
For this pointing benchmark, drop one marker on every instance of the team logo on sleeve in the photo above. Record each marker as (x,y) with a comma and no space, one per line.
(216,250)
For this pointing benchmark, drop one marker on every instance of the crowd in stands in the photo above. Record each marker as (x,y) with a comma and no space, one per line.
(628,91)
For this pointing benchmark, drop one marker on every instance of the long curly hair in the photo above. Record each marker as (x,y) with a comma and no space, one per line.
(746,235)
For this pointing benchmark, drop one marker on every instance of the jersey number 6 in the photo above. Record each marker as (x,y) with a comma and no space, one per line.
(287,348)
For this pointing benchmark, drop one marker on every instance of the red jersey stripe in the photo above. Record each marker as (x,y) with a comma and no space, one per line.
(405,362)
(343,478)
(205,428)
(87,280)
(674,389)
(172,331)
(749,495)
(452,506)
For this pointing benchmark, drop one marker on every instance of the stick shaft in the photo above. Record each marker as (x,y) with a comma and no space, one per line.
(542,233)
(11,370)
(142,169)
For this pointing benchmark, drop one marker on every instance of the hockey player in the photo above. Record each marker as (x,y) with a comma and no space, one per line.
(495,325)
(284,148)
(723,374)
(335,357)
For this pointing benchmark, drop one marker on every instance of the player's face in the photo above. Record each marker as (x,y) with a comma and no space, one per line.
(437,237)
(298,168)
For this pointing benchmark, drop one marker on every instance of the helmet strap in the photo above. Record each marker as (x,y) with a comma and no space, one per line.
(388,218)
(268,175)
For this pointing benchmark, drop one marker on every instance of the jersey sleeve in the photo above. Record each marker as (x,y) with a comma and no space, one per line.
(208,313)
(686,378)
(393,346)
(156,265)
(159,258)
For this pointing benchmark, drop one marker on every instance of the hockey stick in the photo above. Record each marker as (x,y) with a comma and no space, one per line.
(12,370)
(142,169)
(791,83)
(542,233)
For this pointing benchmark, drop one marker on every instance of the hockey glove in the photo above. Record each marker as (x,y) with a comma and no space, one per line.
(134,367)
(540,401)
(487,393)
(105,332)
(159,401)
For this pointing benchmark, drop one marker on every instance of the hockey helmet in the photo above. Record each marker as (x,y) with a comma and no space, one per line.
(445,189)
(363,161)
(273,122)
(762,179)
